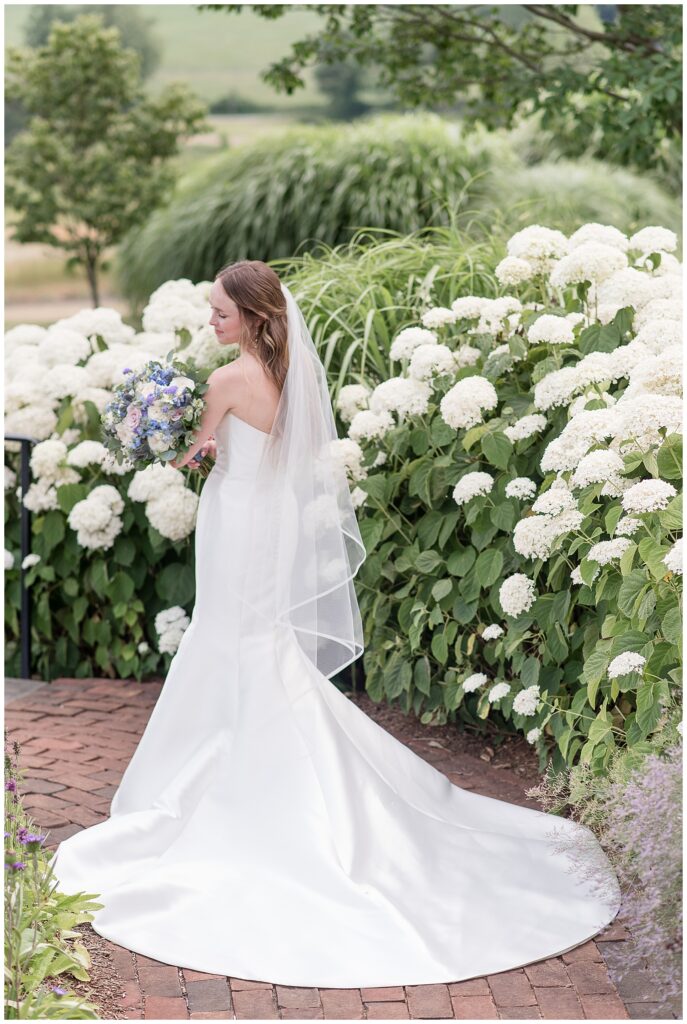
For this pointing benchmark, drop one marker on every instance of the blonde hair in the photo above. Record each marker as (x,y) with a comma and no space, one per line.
(256,290)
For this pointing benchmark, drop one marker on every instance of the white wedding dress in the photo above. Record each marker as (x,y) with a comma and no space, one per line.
(267,829)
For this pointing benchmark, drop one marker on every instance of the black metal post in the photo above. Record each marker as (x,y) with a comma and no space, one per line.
(25,549)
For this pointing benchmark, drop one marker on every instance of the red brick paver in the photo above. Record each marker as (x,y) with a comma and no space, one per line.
(77,737)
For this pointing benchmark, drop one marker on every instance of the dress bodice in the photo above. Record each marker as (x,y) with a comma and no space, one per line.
(239,446)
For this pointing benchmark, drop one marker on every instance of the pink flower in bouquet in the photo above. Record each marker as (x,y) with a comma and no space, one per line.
(133,416)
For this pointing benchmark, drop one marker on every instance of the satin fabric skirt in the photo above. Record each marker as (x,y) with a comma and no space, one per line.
(267,829)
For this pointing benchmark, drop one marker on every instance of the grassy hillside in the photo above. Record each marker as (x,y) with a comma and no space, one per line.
(213,52)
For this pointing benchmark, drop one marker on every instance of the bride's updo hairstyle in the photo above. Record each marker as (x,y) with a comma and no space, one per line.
(256,290)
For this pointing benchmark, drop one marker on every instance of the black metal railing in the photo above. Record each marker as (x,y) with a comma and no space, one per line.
(25,549)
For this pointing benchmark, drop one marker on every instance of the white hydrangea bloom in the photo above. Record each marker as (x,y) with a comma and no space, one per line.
(513,271)
(525,427)
(576,576)
(322,510)
(653,239)
(596,467)
(99,396)
(626,526)
(66,380)
(517,594)
(402,395)
(540,246)
(47,459)
(96,518)
(590,261)
(606,551)
(349,454)
(533,735)
(367,425)
(87,453)
(623,664)
(658,309)
(173,514)
(659,335)
(492,632)
(468,307)
(467,355)
(9,560)
(471,485)
(534,536)
(430,360)
(549,329)
(154,479)
(103,321)
(647,496)
(407,340)
(474,681)
(498,691)
(23,334)
(10,478)
(30,560)
(109,496)
(61,345)
(521,487)
(358,497)
(494,315)
(673,559)
(41,496)
(554,501)
(170,626)
(660,375)
(595,232)
(351,399)
(111,467)
(173,312)
(525,702)
(463,405)
(438,316)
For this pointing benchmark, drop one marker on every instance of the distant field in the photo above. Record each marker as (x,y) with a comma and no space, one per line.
(212,51)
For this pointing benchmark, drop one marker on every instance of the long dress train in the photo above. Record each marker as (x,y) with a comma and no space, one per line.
(267,829)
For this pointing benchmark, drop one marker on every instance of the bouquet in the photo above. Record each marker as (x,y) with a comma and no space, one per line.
(154,414)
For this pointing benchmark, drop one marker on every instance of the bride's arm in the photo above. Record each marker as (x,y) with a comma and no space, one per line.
(220,398)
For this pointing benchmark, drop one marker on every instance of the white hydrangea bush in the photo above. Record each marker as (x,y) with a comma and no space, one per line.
(110,543)
(521,472)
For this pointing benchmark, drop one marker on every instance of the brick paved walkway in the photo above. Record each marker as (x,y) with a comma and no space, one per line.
(77,737)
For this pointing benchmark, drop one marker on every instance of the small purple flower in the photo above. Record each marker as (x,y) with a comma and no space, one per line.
(31,838)
(11,785)
(19,865)
(7,834)
(127,369)
(58,990)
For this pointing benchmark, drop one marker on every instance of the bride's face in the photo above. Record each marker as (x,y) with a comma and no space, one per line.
(225,316)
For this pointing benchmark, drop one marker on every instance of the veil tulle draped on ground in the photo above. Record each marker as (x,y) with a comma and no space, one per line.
(304,545)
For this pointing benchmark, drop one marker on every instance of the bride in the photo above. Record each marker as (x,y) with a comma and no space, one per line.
(265,827)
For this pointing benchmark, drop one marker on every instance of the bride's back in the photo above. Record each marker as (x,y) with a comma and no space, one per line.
(255,395)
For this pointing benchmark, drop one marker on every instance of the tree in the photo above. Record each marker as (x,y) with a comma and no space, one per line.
(618,85)
(94,159)
(135,30)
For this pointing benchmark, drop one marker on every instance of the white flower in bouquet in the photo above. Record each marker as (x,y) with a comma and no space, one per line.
(595,232)
(521,487)
(526,427)
(539,245)
(471,485)
(673,559)
(597,467)
(497,692)
(623,664)
(606,551)
(474,681)
(102,321)
(591,261)
(62,345)
(550,330)
(463,405)
(87,453)
(173,519)
(430,360)
(41,496)
(402,395)
(653,239)
(438,316)
(407,340)
(525,702)
(647,496)
(351,399)
(513,271)
(517,594)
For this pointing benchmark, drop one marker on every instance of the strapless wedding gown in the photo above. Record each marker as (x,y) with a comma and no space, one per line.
(267,829)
